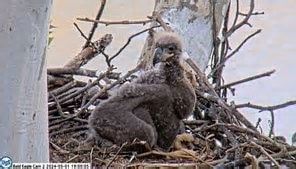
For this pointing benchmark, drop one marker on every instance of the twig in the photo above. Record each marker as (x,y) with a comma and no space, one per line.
(222,63)
(266,154)
(110,162)
(72,71)
(244,21)
(94,98)
(68,130)
(89,52)
(91,155)
(254,13)
(107,23)
(246,80)
(62,151)
(236,14)
(204,80)
(156,16)
(80,31)
(60,111)
(266,108)
(95,25)
(242,43)
(64,88)
(102,75)
(241,130)
(271,130)
(284,154)
(72,158)
(129,40)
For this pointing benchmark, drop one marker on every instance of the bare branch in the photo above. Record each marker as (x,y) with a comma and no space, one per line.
(129,40)
(80,31)
(124,22)
(222,63)
(71,71)
(271,131)
(95,25)
(244,21)
(90,52)
(266,108)
(266,154)
(246,80)
(96,96)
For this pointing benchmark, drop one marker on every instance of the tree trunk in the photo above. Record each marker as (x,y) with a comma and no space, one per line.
(198,22)
(23,97)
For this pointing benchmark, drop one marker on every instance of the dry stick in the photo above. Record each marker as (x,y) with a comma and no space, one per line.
(72,71)
(95,25)
(60,111)
(89,52)
(221,102)
(91,155)
(246,80)
(72,158)
(88,86)
(218,56)
(243,42)
(94,98)
(241,130)
(124,22)
(266,154)
(158,19)
(68,130)
(64,88)
(110,162)
(271,109)
(243,22)
(284,154)
(222,63)
(254,13)
(271,131)
(266,108)
(80,31)
(236,14)
(62,151)
(129,40)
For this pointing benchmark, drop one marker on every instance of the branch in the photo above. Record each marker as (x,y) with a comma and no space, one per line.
(124,22)
(266,154)
(243,42)
(129,40)
(89,52)
(95,25)
(88,86)
(246,80)
(222,63)
(72,71)
(266,108)
(96,96)
(243,22)
(80,31)
(271,131)
(203,80)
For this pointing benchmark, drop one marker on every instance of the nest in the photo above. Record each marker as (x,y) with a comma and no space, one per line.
(222,138)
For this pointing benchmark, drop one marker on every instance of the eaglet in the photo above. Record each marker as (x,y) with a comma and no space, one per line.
(152,106)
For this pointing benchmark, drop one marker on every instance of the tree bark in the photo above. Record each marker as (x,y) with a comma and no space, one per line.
(198,22)
(23,98)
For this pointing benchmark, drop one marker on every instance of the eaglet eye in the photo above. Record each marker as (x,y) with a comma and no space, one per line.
(171,48)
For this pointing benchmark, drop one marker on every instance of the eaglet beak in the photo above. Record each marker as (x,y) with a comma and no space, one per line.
(161,55)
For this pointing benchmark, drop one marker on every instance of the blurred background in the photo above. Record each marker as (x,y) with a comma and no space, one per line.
(274,48)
